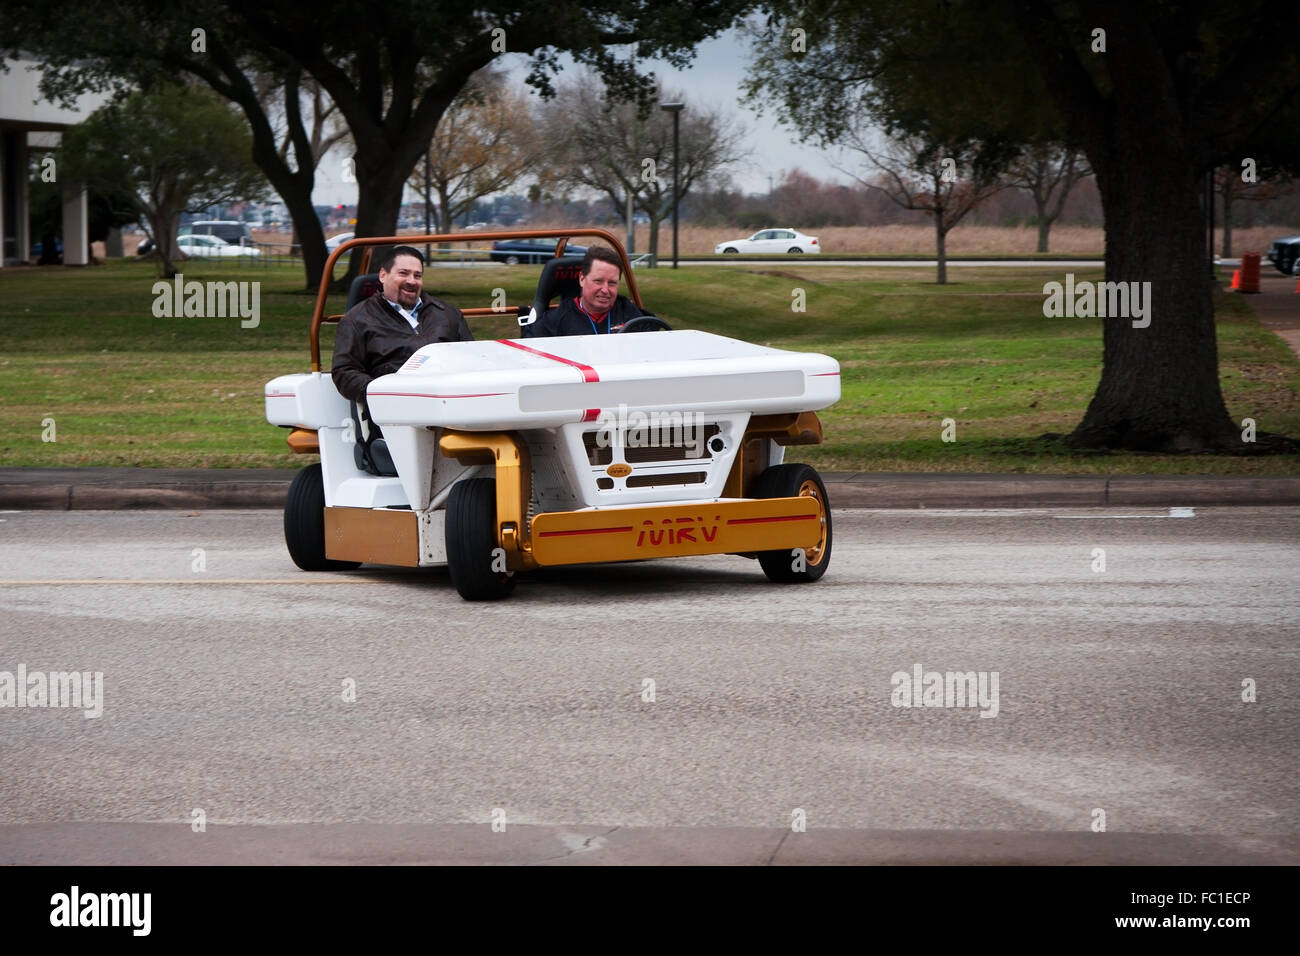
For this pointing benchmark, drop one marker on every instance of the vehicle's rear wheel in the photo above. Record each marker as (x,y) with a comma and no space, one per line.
(794,251)
(471,536)
(512,260)
(795,565)
(304,523)
(730,251)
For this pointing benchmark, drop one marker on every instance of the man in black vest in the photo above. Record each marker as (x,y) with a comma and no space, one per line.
(379,334)
(599,308)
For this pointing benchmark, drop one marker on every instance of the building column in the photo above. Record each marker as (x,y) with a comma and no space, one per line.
(76,228)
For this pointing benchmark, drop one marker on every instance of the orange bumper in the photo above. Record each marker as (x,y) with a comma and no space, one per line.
(631,534)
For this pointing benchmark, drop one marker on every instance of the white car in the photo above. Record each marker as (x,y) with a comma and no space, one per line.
(211,247)
(333,242)
(771,241)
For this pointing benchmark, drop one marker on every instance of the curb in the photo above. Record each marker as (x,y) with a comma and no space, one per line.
(909,490)
(114,489)
(82,843)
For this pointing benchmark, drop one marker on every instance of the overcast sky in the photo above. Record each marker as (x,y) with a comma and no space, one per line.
(713,80)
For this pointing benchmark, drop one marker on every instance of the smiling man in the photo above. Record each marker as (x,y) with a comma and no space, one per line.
(599,306)
(379,334)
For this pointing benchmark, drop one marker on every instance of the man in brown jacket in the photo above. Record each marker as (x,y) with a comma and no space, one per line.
(378,335)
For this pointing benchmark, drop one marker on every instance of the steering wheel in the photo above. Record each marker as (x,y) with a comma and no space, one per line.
(644,323)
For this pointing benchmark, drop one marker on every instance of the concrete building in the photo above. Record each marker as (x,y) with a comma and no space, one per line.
(30,126)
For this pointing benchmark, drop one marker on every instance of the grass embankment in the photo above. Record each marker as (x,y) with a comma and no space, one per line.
(126,388)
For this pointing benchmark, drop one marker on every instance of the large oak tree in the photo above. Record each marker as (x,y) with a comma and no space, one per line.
(1155,93)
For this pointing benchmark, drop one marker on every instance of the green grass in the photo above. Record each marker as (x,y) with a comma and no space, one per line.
(126,388)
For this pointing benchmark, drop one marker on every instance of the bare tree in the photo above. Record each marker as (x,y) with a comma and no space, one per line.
(486,140)
(296,104)
(1048,171)
(620,152)
(945,180)
(1233,188)
(324,126)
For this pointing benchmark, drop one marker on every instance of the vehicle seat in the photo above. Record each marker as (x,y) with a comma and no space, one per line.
(559,280)
(363,287)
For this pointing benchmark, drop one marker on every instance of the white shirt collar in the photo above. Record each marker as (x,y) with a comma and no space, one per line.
(412,315)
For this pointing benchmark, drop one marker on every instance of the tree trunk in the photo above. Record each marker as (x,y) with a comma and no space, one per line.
(941,250)
(1159,388)
(308,233)
(1044,223)
(379,199)
(381,176)
(1227,220)
(165,222)
(654,239)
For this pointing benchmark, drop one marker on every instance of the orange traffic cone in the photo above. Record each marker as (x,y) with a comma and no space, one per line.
(1236,279)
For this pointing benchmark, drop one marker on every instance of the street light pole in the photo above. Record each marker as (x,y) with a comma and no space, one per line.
(676,110)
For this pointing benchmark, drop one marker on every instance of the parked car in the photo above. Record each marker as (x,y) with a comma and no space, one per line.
(38,247)
(145,247)
(231,230)
(1285,255)
(333,242)
(514,251)
(212,247)
(771,241)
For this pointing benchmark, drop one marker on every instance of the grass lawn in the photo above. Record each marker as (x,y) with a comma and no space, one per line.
(82,346)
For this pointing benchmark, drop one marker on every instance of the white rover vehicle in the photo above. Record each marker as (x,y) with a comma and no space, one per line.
(506,455)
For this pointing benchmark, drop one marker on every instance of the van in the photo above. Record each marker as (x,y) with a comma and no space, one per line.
(234,232)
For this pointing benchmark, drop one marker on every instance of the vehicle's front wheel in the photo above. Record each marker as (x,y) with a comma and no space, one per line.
(794,565)
(304,523)
(512,260)
(473,555)
(730,251)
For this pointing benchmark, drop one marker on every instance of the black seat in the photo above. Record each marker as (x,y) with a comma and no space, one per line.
(559,279)
(363,287)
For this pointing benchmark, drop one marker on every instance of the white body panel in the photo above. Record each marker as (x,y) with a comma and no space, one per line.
(575,401)
(549,382)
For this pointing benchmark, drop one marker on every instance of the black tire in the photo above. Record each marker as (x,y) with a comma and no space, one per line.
(512,260)
(729,251)
(794,251)
(471,539)
(792,481)
(304,523)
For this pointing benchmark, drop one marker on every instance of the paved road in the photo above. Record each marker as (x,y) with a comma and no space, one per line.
(1119,690)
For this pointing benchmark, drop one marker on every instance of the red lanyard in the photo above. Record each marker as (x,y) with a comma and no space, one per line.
(604,318)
